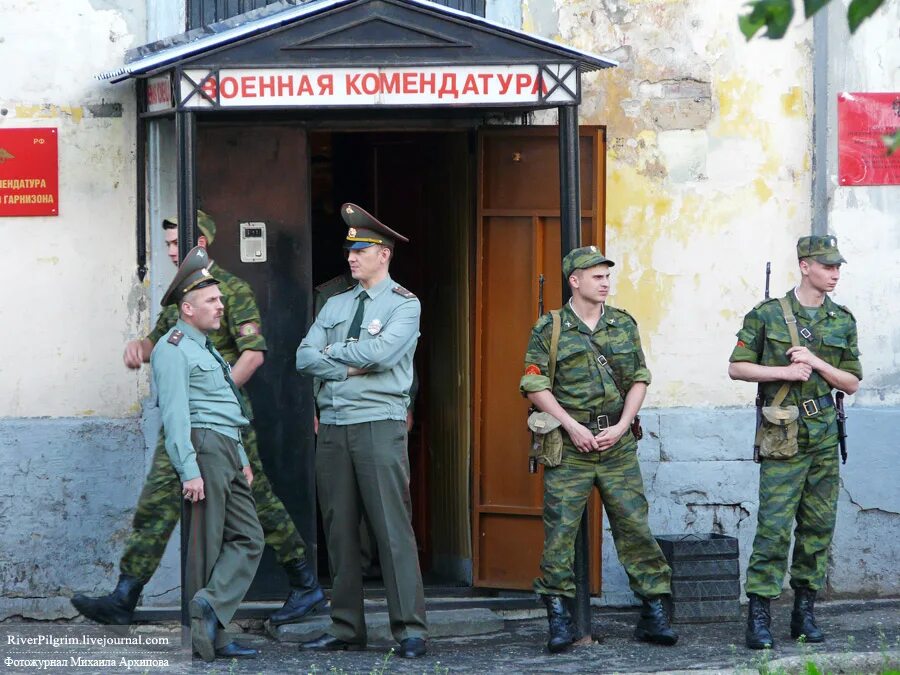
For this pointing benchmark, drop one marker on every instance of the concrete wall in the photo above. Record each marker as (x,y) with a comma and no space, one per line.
(709,175)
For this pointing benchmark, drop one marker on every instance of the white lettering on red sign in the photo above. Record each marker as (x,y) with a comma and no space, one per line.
(464,85)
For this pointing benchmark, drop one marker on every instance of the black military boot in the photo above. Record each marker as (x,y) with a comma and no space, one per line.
(803,621)
(306,595)
(653,624)
(758,620)
(114,609)
(562,630)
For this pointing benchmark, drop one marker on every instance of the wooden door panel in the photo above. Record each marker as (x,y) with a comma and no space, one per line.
(518,240)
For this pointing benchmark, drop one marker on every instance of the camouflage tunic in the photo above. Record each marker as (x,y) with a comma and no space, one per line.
(585,390)
(804,487)
(159,506)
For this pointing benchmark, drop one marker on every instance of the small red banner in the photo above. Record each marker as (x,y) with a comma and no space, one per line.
(29,172)
(862,155)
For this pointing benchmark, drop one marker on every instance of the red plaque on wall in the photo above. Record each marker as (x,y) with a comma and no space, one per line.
(29,172)
(862,155)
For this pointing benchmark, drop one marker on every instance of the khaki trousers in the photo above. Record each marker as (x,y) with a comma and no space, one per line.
(225,541)
(364,468)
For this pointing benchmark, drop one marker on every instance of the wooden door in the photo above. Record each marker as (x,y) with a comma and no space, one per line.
(519,240)
(257,172)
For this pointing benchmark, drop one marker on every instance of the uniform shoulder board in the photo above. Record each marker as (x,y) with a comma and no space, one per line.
(625,312)
(763,302)
(175,337)
(844,307)
(399,290)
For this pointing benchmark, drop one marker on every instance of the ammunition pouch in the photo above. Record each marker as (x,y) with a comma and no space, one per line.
(777,434)
(547,440)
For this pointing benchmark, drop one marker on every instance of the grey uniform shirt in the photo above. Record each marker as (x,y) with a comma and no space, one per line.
(387,341)
(193,393)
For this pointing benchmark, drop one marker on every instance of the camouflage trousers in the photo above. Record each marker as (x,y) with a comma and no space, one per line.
(804,489)
(566,490)
(159,509)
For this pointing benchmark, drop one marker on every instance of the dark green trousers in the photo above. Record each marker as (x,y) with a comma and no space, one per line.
(804,489)
(225,542)
(566,490)
(364,468)
(159,508)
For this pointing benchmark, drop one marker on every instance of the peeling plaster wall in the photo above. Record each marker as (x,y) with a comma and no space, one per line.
(64,335)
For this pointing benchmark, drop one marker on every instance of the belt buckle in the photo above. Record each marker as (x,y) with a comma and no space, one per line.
(811,407)
(602,422)
(602,360)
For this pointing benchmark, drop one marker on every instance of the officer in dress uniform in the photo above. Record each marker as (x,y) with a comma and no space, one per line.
(361,348)
(598,387)
(240,341)
(203,414)
(801,488)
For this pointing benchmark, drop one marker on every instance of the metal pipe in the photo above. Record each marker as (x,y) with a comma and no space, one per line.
(820,123)
(186,133)
(570,238)
(140,177)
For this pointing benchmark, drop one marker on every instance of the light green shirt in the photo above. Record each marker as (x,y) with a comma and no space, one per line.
(387,342)
(193,393)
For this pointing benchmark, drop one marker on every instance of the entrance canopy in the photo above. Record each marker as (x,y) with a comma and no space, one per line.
(354,53)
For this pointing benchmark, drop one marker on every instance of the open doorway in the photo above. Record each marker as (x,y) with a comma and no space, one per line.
(422,185)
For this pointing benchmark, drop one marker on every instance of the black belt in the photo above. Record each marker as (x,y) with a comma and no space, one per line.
(596,422)
(813,406)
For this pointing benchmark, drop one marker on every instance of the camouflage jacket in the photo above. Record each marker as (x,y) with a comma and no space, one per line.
(582,387)
(241,325)
(764,339)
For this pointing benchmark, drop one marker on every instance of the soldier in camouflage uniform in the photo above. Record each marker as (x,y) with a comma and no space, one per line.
(595,410)
(241,344)
(802,488)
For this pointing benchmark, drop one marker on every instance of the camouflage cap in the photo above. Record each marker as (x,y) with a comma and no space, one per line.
(366,230)
(205,224)
(191,275)
(821,249)
(583,258)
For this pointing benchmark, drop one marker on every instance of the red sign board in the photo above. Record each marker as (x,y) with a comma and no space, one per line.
(29,172)
(862,155)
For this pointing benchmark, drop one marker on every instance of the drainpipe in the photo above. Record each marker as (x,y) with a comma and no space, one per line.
(820,123)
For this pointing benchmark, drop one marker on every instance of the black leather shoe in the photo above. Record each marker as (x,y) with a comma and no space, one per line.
(803,618)
(653,625)
(411,648)
(329,643)
(235,651)
(306,596)
(204,626)
(758,635)
(562,629)
(115,609)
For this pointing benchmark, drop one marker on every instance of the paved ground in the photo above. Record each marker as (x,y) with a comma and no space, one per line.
(863,637)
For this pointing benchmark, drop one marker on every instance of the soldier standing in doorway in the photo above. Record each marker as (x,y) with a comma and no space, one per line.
(799,347)
(241,343)
(361,349)
(598,387)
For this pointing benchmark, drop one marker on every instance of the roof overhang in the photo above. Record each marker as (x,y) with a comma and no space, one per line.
(352,53)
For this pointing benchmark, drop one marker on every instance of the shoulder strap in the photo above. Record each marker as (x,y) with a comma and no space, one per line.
(603,362)
(554,343)
(791,322)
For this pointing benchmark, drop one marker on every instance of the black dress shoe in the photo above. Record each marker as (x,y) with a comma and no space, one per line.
(412,648)
(204,626)
(235,651)
(329,643)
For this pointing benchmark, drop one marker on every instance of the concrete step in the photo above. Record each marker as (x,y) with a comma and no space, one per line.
(441,623)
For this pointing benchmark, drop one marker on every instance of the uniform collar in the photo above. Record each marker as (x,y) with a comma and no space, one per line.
(571,320)
(376,290)
(828,307)
(191,332)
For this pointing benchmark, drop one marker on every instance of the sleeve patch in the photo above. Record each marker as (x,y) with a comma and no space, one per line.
(532,370)
(741,343)
(249,328)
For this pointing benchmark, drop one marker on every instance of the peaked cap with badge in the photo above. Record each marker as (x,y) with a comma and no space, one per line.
(821,249)
(366,230)
(584,258)
(192,274)
(205,224)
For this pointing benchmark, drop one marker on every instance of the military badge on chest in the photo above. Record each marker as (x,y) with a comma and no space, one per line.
(374,327)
